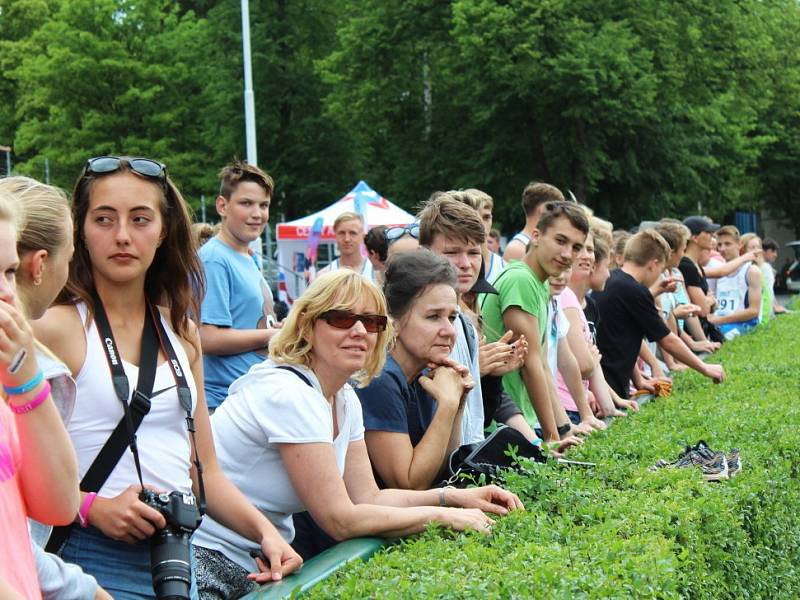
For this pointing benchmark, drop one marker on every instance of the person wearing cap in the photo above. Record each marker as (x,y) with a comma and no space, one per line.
(694,276)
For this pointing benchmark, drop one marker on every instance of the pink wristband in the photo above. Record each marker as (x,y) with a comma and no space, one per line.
(43,394)
(83,513)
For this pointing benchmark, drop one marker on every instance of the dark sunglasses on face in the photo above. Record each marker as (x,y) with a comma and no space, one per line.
(146,167)
(344,319)
(395,233)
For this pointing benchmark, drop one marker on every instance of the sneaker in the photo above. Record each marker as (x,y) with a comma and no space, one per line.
(713,465)
(734,462)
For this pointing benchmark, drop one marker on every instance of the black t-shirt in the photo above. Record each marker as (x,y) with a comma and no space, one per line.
(628,314)
(693,274)
(592,316)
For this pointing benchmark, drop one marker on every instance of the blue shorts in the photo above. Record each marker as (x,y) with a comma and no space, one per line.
(122,569)
(731,330)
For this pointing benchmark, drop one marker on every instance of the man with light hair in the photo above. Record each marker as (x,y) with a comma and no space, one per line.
(349,231)
(628,314)
(739,293)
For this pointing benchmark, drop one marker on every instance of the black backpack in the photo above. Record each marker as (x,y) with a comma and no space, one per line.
(489,457)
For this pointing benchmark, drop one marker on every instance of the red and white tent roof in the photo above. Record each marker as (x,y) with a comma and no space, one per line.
(379,211)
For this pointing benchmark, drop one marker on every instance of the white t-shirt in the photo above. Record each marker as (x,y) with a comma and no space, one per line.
(557,329)
(266,407)
(472,418)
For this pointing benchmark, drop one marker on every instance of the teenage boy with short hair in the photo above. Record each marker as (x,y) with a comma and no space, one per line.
(493,241)
(349,231)
(738,294)
(535,198)
(237,319)
(451,228)
(628,314)
(521,305)
(484,204)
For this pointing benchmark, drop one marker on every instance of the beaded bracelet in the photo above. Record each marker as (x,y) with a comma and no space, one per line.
(25,387)
(21,409)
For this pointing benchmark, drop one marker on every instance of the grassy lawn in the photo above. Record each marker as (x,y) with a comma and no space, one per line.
(620,531)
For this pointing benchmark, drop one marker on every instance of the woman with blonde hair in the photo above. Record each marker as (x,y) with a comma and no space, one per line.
(38,470)
(45,248)
(291,435)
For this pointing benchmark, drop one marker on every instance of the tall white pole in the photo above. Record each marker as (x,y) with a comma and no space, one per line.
(249,100)
(250,117)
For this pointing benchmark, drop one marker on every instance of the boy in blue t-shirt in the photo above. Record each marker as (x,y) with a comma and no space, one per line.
(236,315)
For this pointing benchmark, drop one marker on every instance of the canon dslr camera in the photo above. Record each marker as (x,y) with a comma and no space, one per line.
(169,547)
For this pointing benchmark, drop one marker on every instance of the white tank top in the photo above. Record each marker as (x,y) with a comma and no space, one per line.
(732,291)
(162,438)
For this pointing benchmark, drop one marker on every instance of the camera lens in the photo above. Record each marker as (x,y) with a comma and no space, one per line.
(169,564)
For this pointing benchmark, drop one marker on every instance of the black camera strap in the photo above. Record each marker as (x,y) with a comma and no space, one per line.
(184,396)
(124,433)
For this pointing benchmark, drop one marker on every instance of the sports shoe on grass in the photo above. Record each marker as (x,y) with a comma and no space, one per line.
(734,462)
(713,465)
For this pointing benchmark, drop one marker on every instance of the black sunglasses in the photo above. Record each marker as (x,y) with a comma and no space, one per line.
(146,167)
(395,233)
(344,319)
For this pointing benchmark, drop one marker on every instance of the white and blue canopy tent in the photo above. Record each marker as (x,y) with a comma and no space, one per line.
(292,237)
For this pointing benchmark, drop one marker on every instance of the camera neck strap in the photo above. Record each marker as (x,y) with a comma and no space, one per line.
(148,360)
(154,337)
(184,396)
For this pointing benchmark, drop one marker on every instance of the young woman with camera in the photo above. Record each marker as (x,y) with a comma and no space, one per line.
(37,464)
(290,434)
(134,251)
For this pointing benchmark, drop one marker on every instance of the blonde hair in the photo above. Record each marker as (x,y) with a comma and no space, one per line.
(479,199)
(602,229)
(340,290)
(347,216)
(45,214)
(8,208)
(746,239)
(675,233)
(730,231)
(646,246)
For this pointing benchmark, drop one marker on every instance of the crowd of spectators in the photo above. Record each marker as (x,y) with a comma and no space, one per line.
(147,379)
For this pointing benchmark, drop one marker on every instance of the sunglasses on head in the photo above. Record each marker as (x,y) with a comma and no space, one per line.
(344,319)
(146,167)
(395,233)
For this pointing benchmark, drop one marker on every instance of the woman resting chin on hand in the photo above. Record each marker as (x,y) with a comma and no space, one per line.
(290,435)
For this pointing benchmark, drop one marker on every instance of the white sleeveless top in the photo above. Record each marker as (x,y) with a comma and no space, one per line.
(731,291)
(366,270)
(162,438)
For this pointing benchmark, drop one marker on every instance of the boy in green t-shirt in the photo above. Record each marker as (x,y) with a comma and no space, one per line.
(521,305)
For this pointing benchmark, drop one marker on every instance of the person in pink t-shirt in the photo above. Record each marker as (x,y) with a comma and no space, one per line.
(567,375)
(44,485)
(590,270)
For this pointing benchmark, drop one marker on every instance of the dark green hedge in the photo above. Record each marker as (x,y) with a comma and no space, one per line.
(621,531)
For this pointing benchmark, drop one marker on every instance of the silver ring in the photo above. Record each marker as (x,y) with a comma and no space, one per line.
(17,361)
